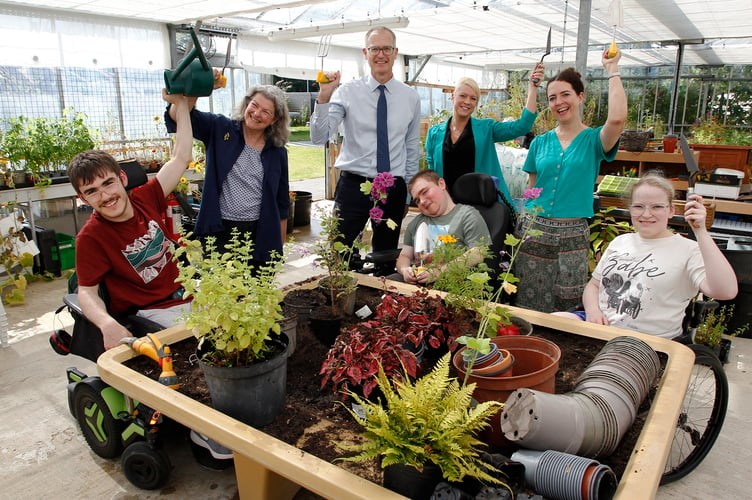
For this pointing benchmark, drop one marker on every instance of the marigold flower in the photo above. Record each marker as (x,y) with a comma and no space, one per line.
(447,238)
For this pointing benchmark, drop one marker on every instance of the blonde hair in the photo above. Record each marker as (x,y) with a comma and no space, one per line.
(654,179)
(470,83)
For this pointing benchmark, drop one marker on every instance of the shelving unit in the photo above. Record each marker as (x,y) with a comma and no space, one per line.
(671,164)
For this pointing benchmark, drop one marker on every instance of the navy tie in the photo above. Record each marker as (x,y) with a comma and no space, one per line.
(382,134)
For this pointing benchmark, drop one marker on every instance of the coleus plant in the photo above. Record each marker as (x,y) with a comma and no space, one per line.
(353,361)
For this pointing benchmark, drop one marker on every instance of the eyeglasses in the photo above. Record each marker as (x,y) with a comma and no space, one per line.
(387,51)
(638,209)
(109,186)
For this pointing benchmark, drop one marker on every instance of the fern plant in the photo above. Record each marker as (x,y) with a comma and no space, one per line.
(429,421)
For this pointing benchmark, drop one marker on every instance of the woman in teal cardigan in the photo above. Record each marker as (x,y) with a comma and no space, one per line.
(464,144)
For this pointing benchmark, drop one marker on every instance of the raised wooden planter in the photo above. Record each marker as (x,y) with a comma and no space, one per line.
(267,468)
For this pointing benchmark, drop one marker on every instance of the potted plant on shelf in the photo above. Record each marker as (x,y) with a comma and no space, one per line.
(712,331)
(42,146)
(424,431)
(235,314)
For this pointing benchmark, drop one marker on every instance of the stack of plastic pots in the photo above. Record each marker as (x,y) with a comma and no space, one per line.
(592,419)
(564,476)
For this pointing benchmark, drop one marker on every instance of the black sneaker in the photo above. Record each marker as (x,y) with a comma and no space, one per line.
(60,340)
(217,450)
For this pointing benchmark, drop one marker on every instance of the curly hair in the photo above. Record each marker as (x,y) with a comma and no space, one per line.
(279,131)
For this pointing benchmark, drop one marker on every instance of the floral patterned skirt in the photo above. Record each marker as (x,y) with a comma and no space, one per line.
(552,267)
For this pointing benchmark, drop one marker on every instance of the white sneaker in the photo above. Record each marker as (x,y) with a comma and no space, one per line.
(217,450)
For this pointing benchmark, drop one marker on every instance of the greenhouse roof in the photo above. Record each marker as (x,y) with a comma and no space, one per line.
(492,34)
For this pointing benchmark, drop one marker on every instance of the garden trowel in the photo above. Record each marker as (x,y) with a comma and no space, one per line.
(692,167)
(548,51)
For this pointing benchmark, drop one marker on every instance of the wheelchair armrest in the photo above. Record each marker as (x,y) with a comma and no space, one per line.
(139,326)
(71,300)
(383,256)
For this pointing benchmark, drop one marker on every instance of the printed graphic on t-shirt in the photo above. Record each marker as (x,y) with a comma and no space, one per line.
(625,279)
(427,236)
(149,253)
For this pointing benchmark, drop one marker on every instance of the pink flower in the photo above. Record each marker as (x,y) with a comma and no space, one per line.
(381,185)
(376,214)
(532,193)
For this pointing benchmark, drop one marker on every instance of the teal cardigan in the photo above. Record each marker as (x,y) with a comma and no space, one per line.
(486,132)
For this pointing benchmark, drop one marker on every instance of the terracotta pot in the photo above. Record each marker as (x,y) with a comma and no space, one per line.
(536,362)
(500,365)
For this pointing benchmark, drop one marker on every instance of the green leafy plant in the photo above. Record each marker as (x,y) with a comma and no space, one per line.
(603,230)
(429,421)
(236,306)
(14,263)
(42,145)
(454,263)
(335,256)
(493,316)
(715,324)
(709,130)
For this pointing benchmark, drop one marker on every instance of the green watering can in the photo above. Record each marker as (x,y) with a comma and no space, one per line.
(194,76)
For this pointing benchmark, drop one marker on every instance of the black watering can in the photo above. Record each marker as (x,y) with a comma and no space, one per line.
(194,76)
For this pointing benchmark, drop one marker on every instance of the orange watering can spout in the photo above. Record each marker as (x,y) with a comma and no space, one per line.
(193,77)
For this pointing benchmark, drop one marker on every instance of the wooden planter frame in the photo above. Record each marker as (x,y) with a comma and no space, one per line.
(267,468)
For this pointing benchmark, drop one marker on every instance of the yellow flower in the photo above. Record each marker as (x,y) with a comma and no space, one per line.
(183,180)
(447,238)
(509,288)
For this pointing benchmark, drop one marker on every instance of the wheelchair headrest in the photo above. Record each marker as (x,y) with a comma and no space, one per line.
(135,173)
(475,189)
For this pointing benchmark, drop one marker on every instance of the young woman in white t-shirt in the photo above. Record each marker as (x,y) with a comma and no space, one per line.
(644,280)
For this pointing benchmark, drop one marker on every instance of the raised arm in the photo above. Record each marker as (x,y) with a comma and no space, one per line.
(617,102)
(169,175)
(720,279)
(532,88)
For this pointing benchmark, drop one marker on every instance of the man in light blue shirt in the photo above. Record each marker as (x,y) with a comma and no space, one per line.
(354,104)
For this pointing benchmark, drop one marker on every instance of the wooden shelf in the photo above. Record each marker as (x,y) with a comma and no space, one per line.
(671,164)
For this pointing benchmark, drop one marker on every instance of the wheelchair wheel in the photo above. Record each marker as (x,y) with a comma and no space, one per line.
(701,417)
(145,466)
(100,428)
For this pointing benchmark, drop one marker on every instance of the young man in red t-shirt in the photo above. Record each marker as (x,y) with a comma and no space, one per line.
(124,244)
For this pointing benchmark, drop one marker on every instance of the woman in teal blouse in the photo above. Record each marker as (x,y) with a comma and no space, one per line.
(564,163)
(464,144)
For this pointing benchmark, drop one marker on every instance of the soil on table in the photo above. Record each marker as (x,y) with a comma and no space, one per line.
(314,418)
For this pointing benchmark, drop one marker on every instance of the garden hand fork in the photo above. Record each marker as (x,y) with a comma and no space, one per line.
(323,51)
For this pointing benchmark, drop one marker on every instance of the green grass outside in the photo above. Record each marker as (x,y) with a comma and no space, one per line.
(305,162)
(301,133)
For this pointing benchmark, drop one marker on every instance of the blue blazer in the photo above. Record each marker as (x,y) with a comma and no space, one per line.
(224,142)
